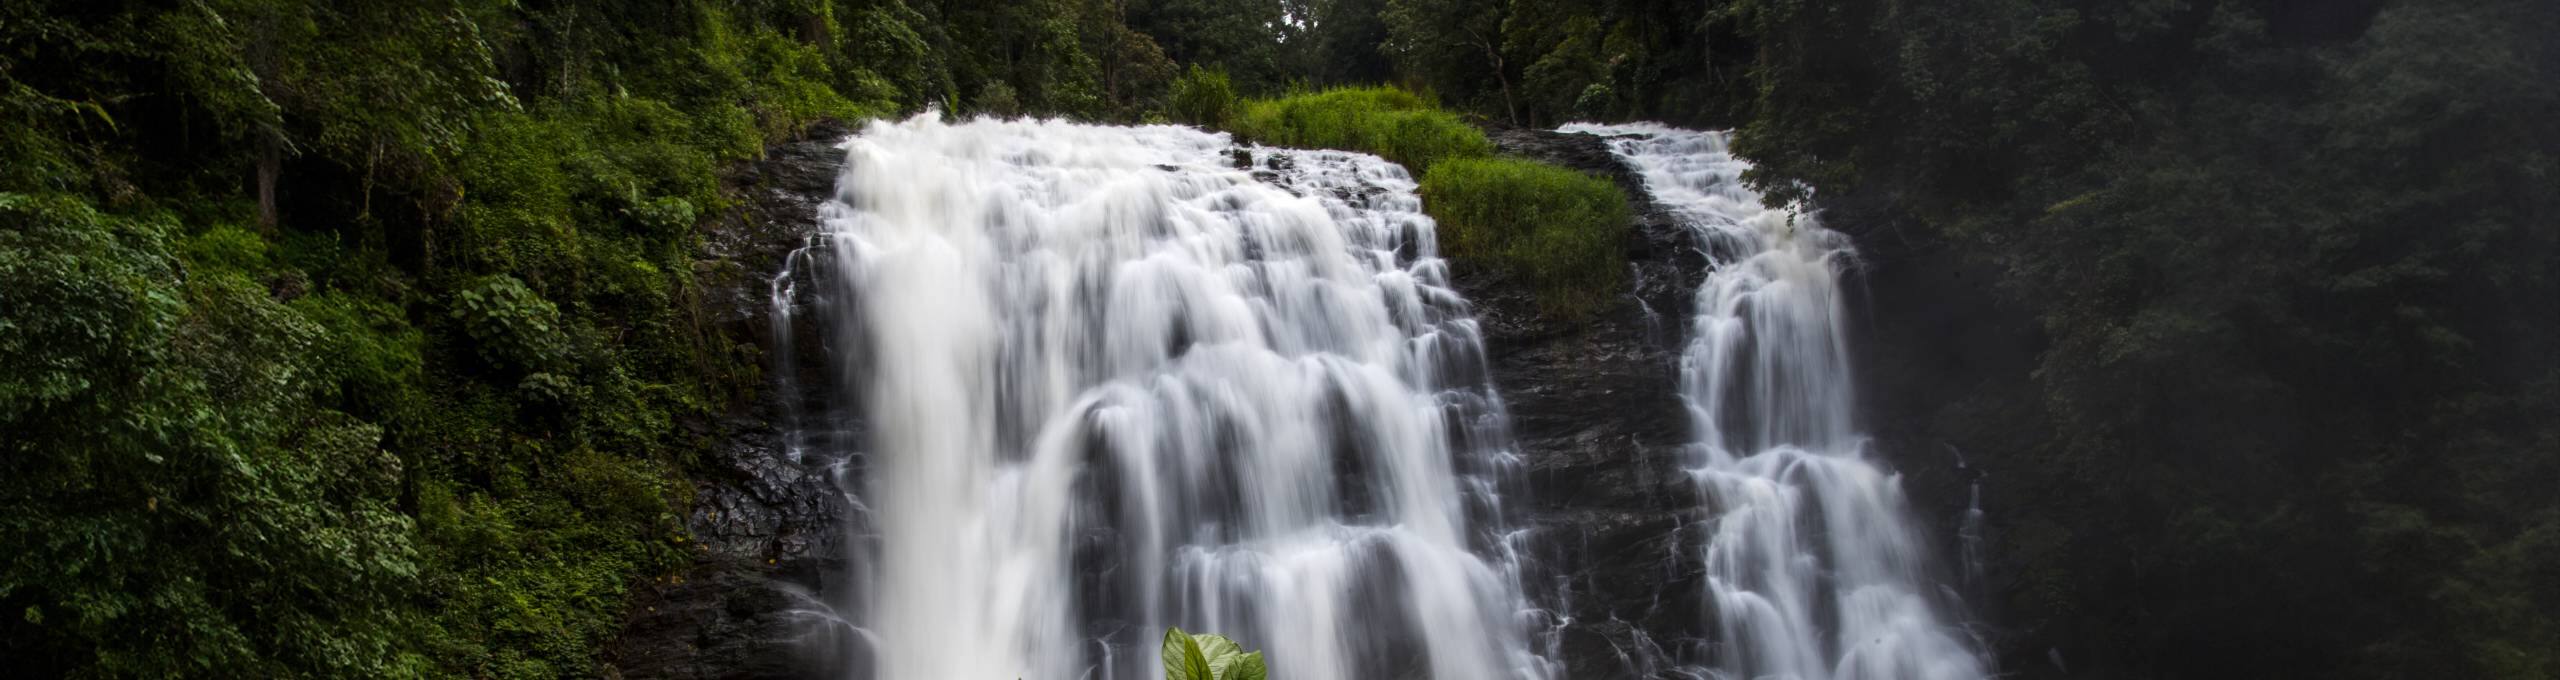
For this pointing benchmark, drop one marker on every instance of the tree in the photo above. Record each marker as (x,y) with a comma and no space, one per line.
(176,504)
(1347,40)
(1453,42)
(2287,286)
(1242,37)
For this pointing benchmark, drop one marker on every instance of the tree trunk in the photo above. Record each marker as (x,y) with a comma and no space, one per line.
(1493,53)
(270,167)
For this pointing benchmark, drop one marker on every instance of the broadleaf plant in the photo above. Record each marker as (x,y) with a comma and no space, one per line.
(1208,657)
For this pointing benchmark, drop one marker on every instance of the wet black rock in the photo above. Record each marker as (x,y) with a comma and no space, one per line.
(1601,428)
(744,610)
(767,530)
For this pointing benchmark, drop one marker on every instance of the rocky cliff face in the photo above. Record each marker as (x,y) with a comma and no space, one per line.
(1943,368)
(1596,408)
(769,531)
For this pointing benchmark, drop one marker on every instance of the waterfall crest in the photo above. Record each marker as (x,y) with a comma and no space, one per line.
(1815,567)
(1093,381)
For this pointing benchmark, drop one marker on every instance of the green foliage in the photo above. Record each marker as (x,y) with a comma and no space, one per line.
(534,568)
(1203,97)
(1393,123)
(782,84)
(368,351)
(199,482)
(1543,62)
(1455,46)
(511,326)
(1208,657)
(885,45)
(665,215)
(178,505)
(1342,44)
(227,248)
(1028,57)
(1562,231)
(2297,338)
(1248,39)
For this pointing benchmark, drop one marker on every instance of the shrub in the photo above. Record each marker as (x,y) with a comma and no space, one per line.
(1392,123)
(1204,97)
(999,100)
(368,353)
(177,505)
(1560,229)
(226,248)
(665,215)
(512,326)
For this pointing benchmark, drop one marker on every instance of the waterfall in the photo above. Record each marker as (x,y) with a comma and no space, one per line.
(1103,380)
(1815,567)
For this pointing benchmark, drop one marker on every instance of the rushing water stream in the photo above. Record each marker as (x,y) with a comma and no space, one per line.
(1107,381)
(1815,567)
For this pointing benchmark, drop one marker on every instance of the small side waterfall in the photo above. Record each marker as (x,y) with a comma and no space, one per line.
(1108,381)
(1816,569)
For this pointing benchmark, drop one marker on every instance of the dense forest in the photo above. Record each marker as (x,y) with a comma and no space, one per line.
(361,339)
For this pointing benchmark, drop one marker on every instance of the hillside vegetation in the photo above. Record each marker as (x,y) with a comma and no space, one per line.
(352,339)
(2290,269)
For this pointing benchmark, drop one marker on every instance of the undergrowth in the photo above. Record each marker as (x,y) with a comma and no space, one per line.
(1393,123)
(1562,231)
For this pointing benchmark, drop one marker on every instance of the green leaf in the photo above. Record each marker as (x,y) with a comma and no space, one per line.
(1216,647)
(1239,667)
(1182,657)
(1208,657)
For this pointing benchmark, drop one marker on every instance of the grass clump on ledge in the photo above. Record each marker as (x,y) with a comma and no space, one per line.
(1561,230)
(1395,124)
(1203,97)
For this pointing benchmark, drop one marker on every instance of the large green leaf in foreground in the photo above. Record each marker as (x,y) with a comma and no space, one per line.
(1208,657)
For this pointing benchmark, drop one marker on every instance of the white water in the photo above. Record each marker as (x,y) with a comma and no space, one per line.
(1815,567)
(1112,383)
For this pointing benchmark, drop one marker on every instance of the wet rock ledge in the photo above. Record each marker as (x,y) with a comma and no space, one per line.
(1595,407)
(768,531)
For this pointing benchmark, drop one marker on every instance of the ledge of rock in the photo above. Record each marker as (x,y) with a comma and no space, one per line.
(1596,408)
(768,531)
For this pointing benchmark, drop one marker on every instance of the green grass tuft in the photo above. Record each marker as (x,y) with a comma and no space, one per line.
(1204,97)
(1560,230)
(1392,123)
(1563,231)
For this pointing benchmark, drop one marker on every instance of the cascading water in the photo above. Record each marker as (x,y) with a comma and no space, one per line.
(1111,382)
(1815,567)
